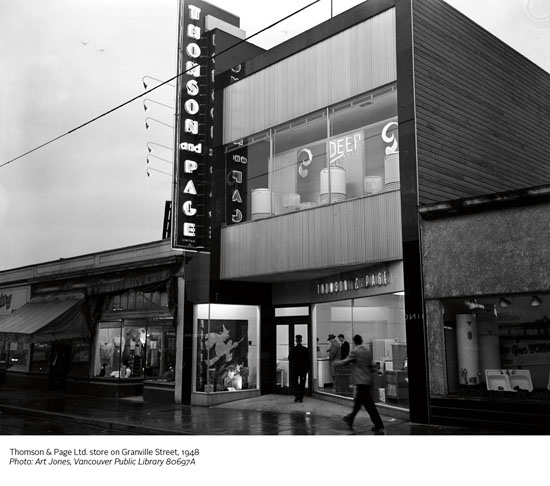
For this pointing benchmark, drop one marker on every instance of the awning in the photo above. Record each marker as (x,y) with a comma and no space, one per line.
(48,320)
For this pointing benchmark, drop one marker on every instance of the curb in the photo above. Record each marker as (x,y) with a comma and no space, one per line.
(79,419)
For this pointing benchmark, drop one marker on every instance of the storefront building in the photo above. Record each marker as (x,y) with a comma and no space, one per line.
(103,324)
(327,147)
(306,213)
(301,177)
(487,309)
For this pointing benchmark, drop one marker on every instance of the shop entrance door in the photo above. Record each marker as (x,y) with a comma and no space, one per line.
(286,330)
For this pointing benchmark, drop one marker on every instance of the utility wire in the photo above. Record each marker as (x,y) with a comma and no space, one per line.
(152,89)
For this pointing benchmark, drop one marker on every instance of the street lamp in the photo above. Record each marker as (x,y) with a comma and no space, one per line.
(158,121)
(159,145)
(145,107)
(145,84)
(160,158)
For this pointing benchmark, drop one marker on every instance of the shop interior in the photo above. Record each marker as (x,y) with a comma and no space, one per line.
(498,347)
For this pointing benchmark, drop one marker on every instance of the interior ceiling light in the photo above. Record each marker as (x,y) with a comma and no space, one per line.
(503,302)
(472,304)
(535,301)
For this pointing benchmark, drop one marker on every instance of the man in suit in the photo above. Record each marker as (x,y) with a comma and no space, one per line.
(362,368)
(344,346)
(298,359)
(333,355)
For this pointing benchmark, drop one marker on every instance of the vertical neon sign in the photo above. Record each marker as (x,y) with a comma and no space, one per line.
(190,208)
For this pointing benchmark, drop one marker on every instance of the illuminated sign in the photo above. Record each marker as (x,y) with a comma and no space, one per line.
(236,167)
(190,199)
(392,149)
(370,279)
(236,164)
(344,147)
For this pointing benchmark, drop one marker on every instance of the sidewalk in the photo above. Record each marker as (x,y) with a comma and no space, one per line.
(265,415)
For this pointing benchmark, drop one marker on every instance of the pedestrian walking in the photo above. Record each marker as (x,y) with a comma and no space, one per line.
(362,368)
(298,359)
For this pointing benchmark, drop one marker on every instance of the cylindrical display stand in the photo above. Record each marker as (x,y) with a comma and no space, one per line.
(261,203)
(337,185)
(467,349)
(391,171)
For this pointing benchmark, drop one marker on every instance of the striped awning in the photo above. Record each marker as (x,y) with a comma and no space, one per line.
(53,319)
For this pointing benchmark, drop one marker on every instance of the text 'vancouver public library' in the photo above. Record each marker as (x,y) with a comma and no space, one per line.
(375,175)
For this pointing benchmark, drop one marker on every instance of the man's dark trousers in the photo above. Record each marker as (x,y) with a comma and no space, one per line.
(298,383)
(363,397)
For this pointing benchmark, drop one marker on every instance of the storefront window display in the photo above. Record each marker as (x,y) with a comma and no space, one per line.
(328,156)
(227,348)
(80,358)
(136,348)
(160,355)
(40,361)
(380,320)
(4,345)
(18,353)
(498,347)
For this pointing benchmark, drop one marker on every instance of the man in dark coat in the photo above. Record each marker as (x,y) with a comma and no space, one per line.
(344,346)
(299,368)
(361,376)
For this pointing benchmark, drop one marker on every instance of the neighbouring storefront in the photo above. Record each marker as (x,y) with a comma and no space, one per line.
(488,309)
(134,349)
(104,323)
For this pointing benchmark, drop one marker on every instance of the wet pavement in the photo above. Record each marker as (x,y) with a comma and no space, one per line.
(30,412)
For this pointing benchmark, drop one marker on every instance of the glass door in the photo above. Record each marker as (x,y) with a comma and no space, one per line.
(286,331)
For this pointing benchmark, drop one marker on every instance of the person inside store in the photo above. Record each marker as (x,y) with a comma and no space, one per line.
(334,354)
(362,369)
(344,346)
(298,359)
(342,378)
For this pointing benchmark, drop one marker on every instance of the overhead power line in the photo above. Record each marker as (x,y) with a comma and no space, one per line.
(152,89)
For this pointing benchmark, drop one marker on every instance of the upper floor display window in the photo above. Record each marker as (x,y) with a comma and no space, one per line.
(345,151)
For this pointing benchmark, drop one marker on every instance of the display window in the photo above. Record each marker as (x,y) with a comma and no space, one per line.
(18,353)
(4,346)
(380,321)
(80,358)
(226,351)
(40,361)
(160,352)
(498,347)
(137,299)
(332,155)
(136,348)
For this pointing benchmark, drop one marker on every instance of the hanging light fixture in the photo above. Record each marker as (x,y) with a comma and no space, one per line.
(147,100)
(147,125)
(535,301)
(160,158)
(158,145)
(472,304)
(147,83)
(503,302)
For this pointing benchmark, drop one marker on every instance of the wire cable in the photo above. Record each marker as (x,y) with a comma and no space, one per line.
(79,127)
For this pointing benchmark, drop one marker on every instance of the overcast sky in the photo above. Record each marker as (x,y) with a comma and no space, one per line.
(65,62)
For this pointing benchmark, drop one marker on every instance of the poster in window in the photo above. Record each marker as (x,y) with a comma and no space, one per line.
(222,355)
